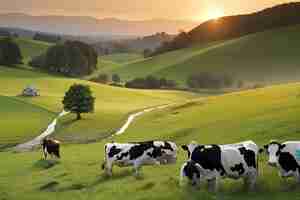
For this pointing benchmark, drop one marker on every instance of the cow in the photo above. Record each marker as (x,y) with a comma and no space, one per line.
(50,146)
(210,162)
(286,157)
(138,154)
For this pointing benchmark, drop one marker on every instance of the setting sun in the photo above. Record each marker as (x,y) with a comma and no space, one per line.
(215,13)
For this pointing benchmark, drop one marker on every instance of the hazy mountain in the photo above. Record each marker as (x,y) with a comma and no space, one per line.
(73,25)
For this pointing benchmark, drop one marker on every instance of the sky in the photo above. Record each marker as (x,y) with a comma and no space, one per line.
(197,10)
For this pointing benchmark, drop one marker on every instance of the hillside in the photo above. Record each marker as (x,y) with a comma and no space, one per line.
(260,115)
(230,27)
(112,104)
(267,57)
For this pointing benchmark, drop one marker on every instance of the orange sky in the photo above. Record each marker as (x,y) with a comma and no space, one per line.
(138,9)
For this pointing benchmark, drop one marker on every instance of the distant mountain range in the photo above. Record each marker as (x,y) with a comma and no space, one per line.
(73,25)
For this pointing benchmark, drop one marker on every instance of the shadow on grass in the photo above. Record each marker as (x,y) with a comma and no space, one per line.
(50,187)
(104,178)
(45,164)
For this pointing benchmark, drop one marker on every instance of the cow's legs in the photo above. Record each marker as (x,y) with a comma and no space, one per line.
(250,180)
(45,153)
(108,168)
(297,176)
(212,184)
(137,166)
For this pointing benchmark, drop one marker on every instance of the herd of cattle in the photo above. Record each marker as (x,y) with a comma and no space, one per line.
(204,163)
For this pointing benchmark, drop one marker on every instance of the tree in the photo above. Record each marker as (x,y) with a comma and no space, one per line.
(72,58)
(78,99)
(10,53)
(116,78)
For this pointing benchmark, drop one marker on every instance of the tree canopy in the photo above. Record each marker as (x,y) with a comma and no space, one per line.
(78,99)
(73,58)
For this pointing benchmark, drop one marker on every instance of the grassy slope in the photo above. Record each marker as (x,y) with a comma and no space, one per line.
(108,63)
(112,105)
(21,121)
(31,48)
(270,57)
(122,58)
(259,115)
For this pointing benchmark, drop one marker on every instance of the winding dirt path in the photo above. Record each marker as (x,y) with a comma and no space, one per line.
(132,117)
(28,146)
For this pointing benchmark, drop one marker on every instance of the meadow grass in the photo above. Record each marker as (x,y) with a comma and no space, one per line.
(259,115)
(113,104)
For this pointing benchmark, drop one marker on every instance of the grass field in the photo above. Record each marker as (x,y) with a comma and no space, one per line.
(260,115)
(267,57)
(112,104)
(21,121)
(123,58)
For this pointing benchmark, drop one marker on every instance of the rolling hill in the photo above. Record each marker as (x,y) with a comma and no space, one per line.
(112,104)
(267,57)
(230,27)
(260,115)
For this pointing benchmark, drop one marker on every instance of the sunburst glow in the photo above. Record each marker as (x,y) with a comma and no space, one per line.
(215,14)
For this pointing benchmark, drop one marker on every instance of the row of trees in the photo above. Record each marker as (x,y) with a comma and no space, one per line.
(209,81)
(73,58)
(105,78)
(150,82)
(10,53)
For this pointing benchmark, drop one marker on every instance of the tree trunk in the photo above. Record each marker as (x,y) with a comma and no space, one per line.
(78,116)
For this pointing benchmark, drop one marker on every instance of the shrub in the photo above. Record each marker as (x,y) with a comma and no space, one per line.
(116,78)
(208,80)
(150,82)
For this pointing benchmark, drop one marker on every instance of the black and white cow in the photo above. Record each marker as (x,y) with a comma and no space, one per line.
(50,146)
(138,154)
(286,157)
(209,162)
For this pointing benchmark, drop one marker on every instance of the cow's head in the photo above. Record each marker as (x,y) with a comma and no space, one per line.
(169,152)
(273,150)
(191,170)
(189,148)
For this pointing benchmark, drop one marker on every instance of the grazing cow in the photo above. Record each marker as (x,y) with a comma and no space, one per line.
(138,154)
(209,162)
(50,146)
(286,157)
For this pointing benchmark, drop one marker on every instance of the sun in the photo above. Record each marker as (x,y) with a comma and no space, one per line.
(215,14)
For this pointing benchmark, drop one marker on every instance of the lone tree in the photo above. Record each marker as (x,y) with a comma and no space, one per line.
(78,99)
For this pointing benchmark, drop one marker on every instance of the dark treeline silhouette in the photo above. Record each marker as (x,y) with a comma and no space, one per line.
(209,81)
(10,53)
(236,26)
(73,58)
(47,37)
(4,33)
(150,82)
